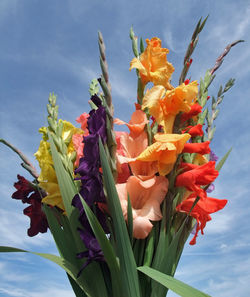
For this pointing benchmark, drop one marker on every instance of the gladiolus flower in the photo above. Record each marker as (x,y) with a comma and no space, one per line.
(213,157)
(199,148)
(136,124)
(165,151)
(165,105)
(153,65)
(132,148)
(77,140)
(201,211)
(83,119)
(28,194)
(47,178)
(146,198)
(195,176)
(194,111)
(123,171)
(194,130)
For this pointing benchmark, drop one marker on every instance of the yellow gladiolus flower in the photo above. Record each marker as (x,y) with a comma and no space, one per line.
(164,150)
(153,65)
(165,105)
(47,178)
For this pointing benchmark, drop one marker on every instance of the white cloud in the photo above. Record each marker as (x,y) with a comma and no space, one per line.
(220,223)
(55,292)
(13,231)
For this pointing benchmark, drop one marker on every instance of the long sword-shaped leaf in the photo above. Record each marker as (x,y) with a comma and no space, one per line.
(63,239)
(76,288)
(107,250)
(66,265)
(171,283)
(127,262)
(223,160)
(172,255)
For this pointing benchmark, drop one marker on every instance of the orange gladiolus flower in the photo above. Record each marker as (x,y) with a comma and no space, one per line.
(153,65)
(199,148)
(165,105)
(201,212)
(165,151)
(146,198)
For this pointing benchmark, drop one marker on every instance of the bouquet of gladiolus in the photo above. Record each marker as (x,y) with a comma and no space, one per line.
(121,205)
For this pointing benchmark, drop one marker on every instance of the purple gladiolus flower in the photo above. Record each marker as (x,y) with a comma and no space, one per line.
(213,156)
(91,182)
(97,123)
(210,188)
(93,253)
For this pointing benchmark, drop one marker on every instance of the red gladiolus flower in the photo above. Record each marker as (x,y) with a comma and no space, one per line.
(194,111)
(194,130)
(196,176)
(200,148)
(201,212)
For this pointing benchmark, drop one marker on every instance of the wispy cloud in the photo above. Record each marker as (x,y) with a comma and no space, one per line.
(13,232)
(55,292)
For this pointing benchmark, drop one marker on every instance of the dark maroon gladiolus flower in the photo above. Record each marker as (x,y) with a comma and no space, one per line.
(38,220)
(24,188)
(29,194)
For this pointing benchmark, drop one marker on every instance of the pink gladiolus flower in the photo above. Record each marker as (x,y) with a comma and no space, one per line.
(146,198)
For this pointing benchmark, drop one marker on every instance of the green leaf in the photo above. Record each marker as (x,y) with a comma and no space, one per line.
(149,250)
(162,243)
(61,233)
(76,288)
(129,273)
(130,220)
(66,265)
(223,160)
(107,249)
(171,283)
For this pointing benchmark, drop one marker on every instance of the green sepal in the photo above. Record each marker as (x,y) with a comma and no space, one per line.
(141,46)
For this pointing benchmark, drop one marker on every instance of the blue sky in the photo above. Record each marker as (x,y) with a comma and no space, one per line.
(51,46)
